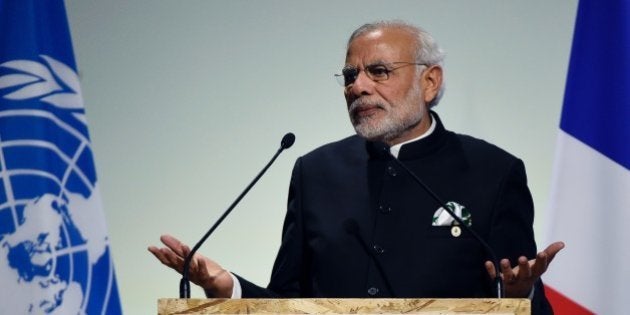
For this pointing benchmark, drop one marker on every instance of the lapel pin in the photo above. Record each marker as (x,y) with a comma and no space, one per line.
(456,231)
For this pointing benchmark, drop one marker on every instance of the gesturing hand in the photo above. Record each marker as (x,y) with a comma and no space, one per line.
(518,281)
(203,272)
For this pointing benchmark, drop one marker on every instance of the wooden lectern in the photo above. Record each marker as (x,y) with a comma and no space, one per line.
(344,306)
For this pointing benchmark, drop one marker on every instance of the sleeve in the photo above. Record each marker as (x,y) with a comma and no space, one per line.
(512,233)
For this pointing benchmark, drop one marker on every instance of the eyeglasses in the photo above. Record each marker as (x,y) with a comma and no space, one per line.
(376,72)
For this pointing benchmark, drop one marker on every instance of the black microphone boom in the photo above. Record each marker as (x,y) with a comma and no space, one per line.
(497,280)
(184,284)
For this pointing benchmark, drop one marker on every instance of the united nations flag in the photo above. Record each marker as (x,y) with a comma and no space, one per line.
(54,250)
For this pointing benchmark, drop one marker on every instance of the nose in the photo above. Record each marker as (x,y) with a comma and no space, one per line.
(363,85)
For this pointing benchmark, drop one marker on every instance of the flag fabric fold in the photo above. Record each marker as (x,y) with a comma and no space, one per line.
(54,249)
(590,197)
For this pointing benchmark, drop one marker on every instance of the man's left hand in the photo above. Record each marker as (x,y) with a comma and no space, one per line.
(518,281)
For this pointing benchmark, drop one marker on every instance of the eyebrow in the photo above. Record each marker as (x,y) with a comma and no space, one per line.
(373,63)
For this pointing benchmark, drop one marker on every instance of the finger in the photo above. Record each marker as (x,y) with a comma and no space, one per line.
(185,250)
(490,269)
(540,264)
(160,254)
(172,260)
(152,249)
(157,253)
(552,250)
(194,261)
(524,270)
(506,271)
(174,244)
(544,258)
(166,257)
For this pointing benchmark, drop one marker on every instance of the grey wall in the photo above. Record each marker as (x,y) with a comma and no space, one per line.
(187,100)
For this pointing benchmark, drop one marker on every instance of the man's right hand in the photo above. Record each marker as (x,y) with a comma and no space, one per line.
(216,281)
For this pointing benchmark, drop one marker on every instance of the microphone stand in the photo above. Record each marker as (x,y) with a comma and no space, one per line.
(184,284)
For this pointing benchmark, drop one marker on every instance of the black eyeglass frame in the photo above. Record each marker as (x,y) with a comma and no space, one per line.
(376,72)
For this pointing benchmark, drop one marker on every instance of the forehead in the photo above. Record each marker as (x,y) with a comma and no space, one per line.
(381,45)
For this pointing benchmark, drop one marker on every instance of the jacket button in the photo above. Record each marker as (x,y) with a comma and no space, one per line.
(378,249)
(372,291)
(391,171)
(384,209)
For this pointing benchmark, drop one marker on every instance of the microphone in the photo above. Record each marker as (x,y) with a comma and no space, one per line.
(384,149)
(287,141)
(352,227)
(184,284)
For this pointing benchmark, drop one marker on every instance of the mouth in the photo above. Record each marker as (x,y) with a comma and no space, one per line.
(365,111)
(363,108)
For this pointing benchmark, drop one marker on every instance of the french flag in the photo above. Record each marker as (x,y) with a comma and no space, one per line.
(590,197)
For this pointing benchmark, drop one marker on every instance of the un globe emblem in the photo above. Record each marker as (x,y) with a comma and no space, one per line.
(54,255)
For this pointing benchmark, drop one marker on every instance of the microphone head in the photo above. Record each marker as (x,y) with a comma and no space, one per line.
(287,140)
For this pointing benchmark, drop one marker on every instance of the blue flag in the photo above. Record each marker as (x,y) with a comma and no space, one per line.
(54,249)
(596,106)
(590,197)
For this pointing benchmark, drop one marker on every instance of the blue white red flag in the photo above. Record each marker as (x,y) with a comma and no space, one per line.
(54,249)
(590,207)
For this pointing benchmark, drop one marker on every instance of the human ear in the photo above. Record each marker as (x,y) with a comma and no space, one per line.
(431,82)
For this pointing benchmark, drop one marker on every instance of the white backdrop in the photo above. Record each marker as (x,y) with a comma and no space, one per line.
(187,100)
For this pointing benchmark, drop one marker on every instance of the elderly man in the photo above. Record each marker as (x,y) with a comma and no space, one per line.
(357,225)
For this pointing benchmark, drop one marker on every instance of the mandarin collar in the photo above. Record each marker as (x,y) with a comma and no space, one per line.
(412,150)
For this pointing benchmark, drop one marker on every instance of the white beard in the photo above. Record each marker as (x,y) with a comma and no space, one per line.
(397,120)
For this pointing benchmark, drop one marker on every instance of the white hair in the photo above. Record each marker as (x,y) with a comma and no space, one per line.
(427,50)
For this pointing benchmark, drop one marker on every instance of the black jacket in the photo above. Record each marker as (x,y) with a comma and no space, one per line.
(392,249)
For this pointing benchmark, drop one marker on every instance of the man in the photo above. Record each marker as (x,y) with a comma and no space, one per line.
(357,225)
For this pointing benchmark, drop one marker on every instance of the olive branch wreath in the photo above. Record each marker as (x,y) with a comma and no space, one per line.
(52,82)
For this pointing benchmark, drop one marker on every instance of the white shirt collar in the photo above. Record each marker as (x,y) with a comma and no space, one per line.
(395,149)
